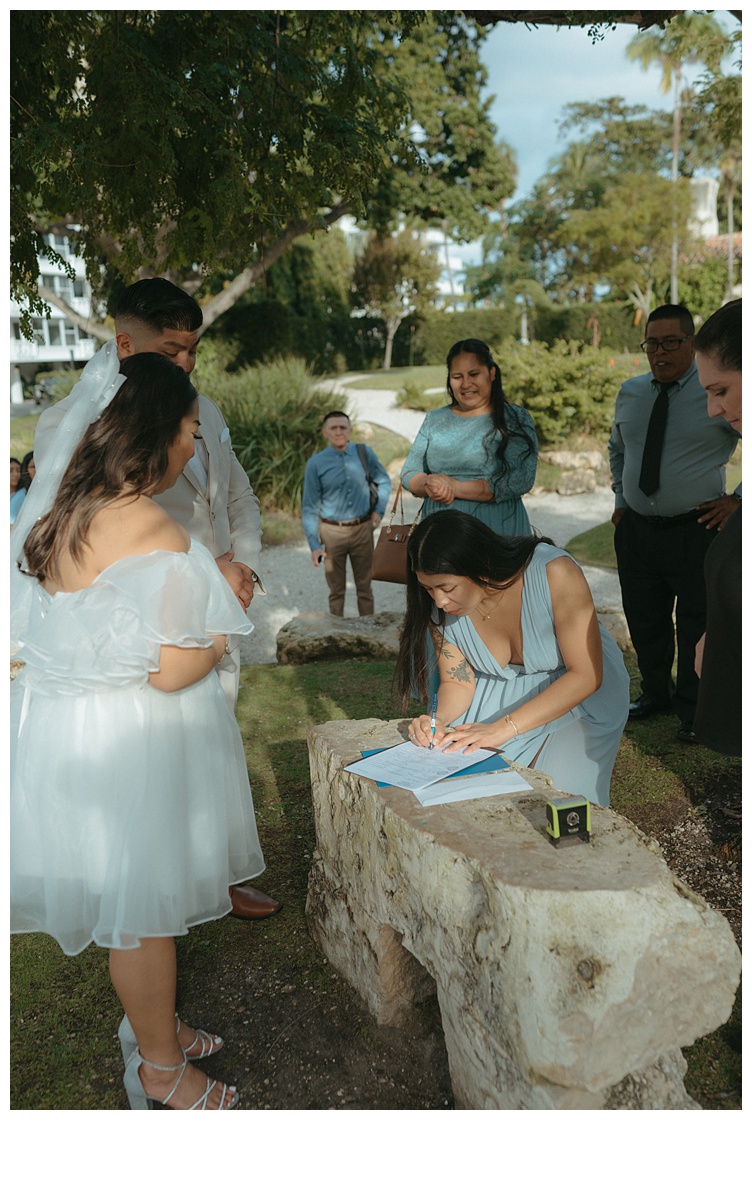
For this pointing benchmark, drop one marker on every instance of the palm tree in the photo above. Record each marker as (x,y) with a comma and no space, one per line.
(687,38)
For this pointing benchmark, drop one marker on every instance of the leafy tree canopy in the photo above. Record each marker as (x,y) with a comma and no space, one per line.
(207,141)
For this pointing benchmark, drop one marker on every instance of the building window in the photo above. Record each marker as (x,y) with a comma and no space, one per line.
(55,333)
(71,335)
(39,331)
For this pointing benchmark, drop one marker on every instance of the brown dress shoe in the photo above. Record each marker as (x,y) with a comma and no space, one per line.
(252,905)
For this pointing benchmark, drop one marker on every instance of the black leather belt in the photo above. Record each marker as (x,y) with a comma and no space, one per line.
(357,521)
(667,522)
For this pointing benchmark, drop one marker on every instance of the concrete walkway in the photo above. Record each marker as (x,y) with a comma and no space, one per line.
(293,584)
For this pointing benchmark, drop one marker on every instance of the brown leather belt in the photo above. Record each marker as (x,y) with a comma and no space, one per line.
(357,521)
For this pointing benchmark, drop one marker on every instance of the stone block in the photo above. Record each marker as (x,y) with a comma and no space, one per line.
(615,622)
(566,978)
(574,483)
(313,636)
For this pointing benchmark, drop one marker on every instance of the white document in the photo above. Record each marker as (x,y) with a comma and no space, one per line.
(411,767)
(469,787)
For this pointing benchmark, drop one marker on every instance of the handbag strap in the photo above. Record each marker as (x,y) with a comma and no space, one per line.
(390,519)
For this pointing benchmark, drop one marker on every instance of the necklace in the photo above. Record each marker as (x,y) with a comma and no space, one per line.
(487,616)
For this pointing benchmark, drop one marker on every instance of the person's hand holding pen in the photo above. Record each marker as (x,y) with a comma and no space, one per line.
(428,731)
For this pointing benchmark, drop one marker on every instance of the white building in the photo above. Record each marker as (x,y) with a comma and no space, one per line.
(58,343)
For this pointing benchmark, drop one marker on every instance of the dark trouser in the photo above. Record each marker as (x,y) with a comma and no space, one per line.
(356,543)
(657,566)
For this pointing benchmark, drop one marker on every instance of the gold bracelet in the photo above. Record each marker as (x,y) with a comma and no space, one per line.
(514,727)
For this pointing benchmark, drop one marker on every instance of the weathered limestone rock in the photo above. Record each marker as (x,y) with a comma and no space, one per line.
(566,978)
(570,460)
(312,636)
(16,666)
(574,483)
(615,622)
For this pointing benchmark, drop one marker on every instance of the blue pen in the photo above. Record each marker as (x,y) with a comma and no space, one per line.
(434,706)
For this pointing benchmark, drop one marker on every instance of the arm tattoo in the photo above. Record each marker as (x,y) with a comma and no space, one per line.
(461,672)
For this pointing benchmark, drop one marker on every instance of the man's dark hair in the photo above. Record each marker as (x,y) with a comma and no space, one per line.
(673,312)
(160,305)
(337,413)
(721,336)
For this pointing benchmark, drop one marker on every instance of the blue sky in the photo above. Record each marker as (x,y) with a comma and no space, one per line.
(534,73)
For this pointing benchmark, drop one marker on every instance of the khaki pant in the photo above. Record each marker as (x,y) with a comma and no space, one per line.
(341,542)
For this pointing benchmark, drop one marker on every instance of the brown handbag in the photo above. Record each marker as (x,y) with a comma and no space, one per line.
(390,552)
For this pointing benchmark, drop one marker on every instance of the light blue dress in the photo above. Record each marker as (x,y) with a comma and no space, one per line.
(16,501)
(578,748)
(450,444)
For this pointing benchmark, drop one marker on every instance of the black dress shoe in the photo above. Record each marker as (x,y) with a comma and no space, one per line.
(687,734)
(643,707)
(252,905)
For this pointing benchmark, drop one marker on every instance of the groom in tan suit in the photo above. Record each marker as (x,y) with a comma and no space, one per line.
(212,499)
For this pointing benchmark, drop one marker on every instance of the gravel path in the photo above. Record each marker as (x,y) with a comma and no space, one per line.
(294,585)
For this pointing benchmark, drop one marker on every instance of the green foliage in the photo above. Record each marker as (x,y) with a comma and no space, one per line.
(577,322)
(59,383)
(274,413)
(567,387)
(394,276)
(412,395)
(203,142)
(437,331)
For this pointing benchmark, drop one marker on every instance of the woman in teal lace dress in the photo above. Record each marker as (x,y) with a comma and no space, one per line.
(479,453)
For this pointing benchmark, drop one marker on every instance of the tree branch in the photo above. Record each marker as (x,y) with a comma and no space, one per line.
(225,299)
(92,328)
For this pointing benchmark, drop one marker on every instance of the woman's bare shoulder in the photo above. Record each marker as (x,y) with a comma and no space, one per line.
(135,526)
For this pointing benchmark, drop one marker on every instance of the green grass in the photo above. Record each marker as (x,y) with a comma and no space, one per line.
(64,1052)
(22,434)
(595,547)
(396,378)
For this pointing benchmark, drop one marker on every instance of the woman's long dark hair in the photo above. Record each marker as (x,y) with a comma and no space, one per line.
(123,451)
(503,414)
(451,543)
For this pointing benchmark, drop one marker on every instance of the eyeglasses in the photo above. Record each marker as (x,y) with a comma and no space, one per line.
(668,344)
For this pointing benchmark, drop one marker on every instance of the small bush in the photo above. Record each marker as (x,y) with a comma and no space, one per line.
(413,396)
(567,388)
(274,413)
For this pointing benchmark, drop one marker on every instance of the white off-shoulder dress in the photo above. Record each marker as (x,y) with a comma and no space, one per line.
(131,810)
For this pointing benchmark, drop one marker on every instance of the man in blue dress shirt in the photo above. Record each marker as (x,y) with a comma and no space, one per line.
(668,461)
(338,519)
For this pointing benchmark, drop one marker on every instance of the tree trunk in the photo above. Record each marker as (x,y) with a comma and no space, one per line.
(675,182)
(730,250)
(392,325)
(92,328)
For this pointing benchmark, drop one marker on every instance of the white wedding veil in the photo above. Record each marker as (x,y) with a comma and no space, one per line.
(99,382)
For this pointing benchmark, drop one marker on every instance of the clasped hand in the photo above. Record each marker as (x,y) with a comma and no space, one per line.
(440,487)
(478,735)
(239,577)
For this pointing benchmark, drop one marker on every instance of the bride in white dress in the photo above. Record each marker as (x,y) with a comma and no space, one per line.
(131,811)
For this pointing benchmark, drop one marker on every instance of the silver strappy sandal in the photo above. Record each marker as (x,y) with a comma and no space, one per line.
(138,1098)
(208,1043)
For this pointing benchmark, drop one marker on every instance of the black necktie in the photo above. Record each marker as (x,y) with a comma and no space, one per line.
(650,471)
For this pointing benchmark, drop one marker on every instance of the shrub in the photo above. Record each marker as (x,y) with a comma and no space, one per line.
(412,395)
(274,413)
(567,388)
